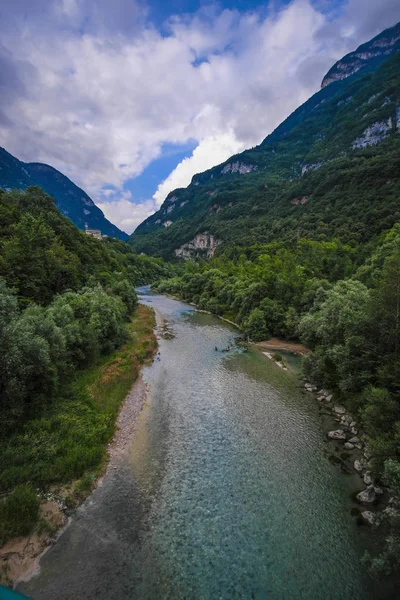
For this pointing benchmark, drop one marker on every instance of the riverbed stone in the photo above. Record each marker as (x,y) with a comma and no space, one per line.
(378,491)
(328,398)
(349,446)
(310,387)
(358,466)
(367,496)
(353,424)
(354,440)
(339,410)
(368,479)
(368,517)
(338,434)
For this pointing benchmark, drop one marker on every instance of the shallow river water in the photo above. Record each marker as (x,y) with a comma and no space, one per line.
(225,493)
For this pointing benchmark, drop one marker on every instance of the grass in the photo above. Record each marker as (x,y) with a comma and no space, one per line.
(68,439)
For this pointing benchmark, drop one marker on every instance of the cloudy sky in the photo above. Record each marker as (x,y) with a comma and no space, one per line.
(131,98)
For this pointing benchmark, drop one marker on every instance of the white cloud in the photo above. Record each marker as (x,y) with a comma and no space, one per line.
(126,215)
(208,153)
(95,90)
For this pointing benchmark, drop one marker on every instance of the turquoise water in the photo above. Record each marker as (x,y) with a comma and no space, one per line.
(226,493)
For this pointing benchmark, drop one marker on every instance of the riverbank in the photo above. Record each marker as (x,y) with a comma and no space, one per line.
(282,345)
(73,440)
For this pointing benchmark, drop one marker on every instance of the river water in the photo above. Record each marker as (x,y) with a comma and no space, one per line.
(226,492)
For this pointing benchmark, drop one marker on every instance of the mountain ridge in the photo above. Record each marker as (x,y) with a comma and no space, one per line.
(345,121)
(72,201)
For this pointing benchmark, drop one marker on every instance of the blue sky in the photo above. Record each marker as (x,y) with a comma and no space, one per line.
(131,98)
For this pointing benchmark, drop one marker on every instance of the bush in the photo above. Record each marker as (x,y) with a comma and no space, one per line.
(18,513)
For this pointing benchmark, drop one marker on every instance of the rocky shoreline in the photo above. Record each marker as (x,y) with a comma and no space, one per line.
(355,456)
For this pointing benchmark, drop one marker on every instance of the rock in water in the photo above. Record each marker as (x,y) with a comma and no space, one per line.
(339,410)
(339,434)
(368,479)
(368,496)
(368,517)
(358,466)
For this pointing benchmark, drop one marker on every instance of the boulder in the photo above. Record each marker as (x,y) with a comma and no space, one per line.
(320,398)
(378,491)
(339,434)
(353,430)
(328,398)
(349,446)
(367,496)
(354,440)
(353,424)
(339,410)
(368,517)
(358,466)
(310,387)
(368,479)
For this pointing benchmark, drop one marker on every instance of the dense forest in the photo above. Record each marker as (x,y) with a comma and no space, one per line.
(343,302)
(66,301)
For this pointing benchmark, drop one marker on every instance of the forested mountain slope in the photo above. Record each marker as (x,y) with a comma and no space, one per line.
(330,170)
(71,200)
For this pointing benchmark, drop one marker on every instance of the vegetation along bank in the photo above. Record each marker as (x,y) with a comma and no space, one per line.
(72,340)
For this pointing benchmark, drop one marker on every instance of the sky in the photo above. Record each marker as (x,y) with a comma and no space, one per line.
(131,98)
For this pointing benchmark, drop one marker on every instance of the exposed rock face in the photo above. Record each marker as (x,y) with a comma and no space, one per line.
(374,51)
(202,244)
(167,223)
(238,167)
(374,134)
(311,167)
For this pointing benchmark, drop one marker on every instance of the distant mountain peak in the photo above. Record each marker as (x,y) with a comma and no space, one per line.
(72,201)
(367,56)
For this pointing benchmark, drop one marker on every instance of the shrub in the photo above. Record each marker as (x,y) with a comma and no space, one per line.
(18,513)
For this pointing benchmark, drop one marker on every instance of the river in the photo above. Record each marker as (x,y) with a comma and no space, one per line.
(226,492)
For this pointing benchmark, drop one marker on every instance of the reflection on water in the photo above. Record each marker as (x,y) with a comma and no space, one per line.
(226,493)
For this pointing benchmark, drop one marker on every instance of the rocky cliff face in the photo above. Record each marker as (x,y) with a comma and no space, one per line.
(71,200)
(367,55)
(202,245)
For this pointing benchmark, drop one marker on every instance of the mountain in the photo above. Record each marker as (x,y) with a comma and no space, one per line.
(71,200)
(367,56)
(331,169)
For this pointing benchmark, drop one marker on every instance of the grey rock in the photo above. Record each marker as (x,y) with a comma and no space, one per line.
(349,446)
(368,517)
(353,430)
(358,466)
(329,398)
(339,410)
(339,434)
(378,491)
(367,496)
(354,440)
(368,479)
